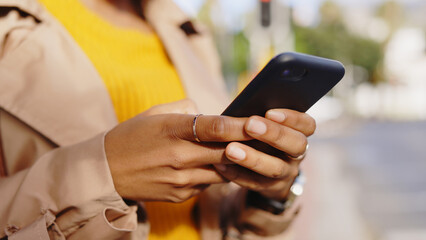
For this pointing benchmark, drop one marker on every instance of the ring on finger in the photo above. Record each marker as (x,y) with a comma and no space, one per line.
(303,155)
(194,127)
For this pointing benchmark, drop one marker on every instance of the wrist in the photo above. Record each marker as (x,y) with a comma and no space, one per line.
(273,205)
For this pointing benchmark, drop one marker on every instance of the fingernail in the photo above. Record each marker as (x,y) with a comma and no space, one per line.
(236,153)
(221,167)
(275,116)
(256,126)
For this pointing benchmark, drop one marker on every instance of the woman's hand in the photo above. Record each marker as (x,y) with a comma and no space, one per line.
(156,158)
(286,131)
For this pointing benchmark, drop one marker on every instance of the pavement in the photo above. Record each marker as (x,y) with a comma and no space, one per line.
(366,181)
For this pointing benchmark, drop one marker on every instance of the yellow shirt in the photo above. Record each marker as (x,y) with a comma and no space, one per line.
(138,75)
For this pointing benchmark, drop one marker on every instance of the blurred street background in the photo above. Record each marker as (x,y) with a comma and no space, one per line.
(366,166)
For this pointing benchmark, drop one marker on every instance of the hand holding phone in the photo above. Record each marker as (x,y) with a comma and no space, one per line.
(290,81)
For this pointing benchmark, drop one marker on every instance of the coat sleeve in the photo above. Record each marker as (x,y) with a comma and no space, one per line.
(62,193)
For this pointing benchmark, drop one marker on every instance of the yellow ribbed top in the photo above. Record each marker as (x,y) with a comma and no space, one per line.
(138,75)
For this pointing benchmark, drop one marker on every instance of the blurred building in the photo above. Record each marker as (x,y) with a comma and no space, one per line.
(400,28)
(402,96)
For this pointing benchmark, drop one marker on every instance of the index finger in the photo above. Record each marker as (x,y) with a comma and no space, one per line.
(298,121)
(210,128)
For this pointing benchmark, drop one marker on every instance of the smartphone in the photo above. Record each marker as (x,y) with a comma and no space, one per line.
(290,80)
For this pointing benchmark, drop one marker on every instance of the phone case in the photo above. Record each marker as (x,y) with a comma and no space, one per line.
(290,80)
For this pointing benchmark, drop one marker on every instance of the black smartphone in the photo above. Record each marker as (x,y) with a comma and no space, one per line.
(290,80)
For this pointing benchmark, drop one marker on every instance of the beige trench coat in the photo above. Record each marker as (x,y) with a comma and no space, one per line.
(54,113)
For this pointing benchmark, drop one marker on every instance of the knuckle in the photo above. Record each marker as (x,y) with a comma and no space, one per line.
(290,173)
(180,196)
(168,129)
(277,136)
(279,171)
(185,195)
(218,128)
(255,163)
(177,162)
(174,126)
(182,180)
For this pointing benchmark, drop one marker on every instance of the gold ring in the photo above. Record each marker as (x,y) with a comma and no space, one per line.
(194,127)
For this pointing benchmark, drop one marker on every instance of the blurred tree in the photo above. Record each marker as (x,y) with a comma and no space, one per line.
(241,53)
(393,13)
(331,15)
(204,13)
(330,39)
(233,46)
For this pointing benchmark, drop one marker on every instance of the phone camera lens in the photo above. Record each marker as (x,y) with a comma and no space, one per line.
(293,74)
(286,73)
